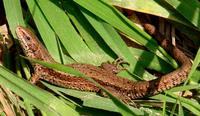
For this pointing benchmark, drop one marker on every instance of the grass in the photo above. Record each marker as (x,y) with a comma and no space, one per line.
(86,31)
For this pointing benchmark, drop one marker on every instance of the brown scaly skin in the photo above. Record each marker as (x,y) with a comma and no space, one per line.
(124,89)
(176,77)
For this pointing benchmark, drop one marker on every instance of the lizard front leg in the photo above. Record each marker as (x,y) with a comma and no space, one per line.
(114,67)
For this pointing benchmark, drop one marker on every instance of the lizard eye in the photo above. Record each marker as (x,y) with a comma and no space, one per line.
(28,38)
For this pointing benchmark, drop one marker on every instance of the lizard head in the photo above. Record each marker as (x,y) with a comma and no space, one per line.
(29,42)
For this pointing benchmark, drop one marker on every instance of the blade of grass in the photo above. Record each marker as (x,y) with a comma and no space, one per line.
(180,109)
(161,9)
(113,40)
(164,106)
(17,103)
(153,7)
(39,98)
(47,34)
(184,88)
(120,22)
(91,37)
(13,14)
(56,90)
(62,26)
(194,66)
(156,62)
(172,112)
(195,77)
(189,104)
(189,9)
(90,99)
(28,108)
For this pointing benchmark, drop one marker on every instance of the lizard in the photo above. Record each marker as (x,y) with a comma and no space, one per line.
(122,88)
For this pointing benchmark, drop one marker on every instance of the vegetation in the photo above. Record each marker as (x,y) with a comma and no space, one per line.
(90,31)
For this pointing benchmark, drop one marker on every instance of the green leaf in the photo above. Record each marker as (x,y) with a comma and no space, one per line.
(180,109)
(187,103)
(87,32)
(189,9)
(153,7)
(114,41)
(28,108)
(195,77)
(39,98)
(13,14)
(150,60)
(161,9)
(120,22)
(190,103)
(90,99)
(184,88)
(47,34)
(194,66)
(62,26)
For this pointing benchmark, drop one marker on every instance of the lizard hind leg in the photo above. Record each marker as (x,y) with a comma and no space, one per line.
(114,67)
(35,78)
(36,75)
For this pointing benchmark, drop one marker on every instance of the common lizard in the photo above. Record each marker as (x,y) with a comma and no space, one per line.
(120,87)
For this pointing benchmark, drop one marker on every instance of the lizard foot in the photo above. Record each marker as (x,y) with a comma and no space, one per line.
(34,79)
(114,67)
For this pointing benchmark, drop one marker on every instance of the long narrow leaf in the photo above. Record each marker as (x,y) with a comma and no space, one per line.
(189,9)
(90,99)
(120,22)
(47,34)
(62,26)
(189,104)
(153,7)
(90,36)
(13,14)
(39,98)
(194,66)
